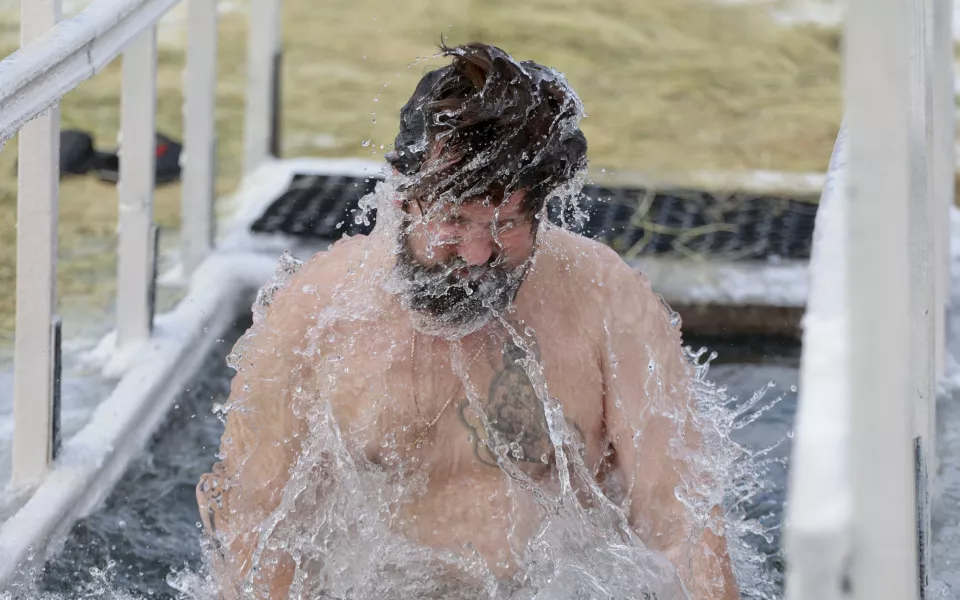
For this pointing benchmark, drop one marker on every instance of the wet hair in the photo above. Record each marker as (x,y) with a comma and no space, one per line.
(487,126)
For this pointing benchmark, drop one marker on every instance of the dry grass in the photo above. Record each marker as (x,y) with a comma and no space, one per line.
(669,85)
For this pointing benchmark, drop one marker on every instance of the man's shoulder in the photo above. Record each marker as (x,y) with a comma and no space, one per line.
(319,279)
(601,278)
(589,261)
(336,259)
(334,271)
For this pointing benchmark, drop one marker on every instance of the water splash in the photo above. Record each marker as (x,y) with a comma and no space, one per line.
(342,524)
(385,499)
(347,511)
(100,585)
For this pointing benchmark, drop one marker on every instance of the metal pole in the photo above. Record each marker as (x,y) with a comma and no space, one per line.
(137,179)
(199,177)
(922,225)
(263,48)
(877,94)
(38,188)
(943,165)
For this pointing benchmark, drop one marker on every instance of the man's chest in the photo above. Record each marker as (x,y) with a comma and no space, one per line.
(508,394)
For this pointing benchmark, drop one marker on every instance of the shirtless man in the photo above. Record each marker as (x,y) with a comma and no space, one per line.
(457,343)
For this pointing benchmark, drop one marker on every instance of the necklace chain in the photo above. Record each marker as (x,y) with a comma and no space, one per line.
(422,434)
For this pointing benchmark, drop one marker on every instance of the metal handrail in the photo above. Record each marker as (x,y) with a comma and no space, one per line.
(55,57)
(34,78)
(863,457)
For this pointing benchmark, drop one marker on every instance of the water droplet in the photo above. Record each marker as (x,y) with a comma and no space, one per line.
(793,388)
(675,320)
(365,143)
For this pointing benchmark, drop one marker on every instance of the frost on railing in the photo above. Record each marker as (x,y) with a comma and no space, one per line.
(819,509)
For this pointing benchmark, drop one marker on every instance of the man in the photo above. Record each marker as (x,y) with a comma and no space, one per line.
(499,380)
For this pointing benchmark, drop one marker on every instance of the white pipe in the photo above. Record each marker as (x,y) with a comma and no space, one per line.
(922,218)
(137,174)
(943,163)
(877,94)
(199,174)
(38,187)
(943,168)
(263,44)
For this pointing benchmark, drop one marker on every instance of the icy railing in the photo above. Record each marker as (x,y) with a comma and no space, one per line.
(863,459)
(54,58)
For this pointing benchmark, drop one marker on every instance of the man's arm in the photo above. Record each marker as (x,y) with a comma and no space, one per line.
(648,419)
(260,444)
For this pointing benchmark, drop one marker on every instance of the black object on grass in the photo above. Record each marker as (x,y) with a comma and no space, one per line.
(167,167)
(77,155)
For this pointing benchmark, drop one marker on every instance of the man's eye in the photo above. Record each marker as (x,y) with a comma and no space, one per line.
(456,221)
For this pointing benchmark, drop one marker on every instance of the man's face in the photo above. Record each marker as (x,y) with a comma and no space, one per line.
(462,264)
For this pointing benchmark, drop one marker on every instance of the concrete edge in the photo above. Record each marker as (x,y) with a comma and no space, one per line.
(96,457)
(727,283)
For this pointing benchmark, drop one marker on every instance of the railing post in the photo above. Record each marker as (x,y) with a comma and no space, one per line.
(263,51)
(199,177)
(38,187)
(137,179)
(923,217)
(943,165)
(877,94)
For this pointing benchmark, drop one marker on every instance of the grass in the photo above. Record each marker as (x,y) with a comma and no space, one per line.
(669,86)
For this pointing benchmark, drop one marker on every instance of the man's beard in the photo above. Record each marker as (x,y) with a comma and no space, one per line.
(451,298)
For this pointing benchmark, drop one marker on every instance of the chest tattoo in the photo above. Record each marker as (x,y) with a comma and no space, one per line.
(514,413)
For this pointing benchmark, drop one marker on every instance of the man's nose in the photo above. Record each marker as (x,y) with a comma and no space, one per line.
(475,250)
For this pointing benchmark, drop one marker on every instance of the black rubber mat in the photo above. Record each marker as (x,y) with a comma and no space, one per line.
(632,221)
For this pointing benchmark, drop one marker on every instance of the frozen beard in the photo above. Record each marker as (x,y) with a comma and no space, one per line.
(452,299)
